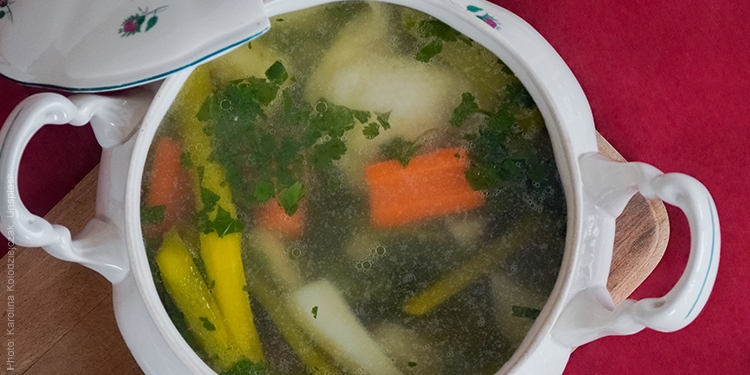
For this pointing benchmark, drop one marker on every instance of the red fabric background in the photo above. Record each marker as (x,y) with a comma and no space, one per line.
(669,84)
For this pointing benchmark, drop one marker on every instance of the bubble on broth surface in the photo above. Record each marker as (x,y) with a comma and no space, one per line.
(380,250)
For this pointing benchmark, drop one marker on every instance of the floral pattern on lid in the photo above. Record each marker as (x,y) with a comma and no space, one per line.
(132,25)
(5,9)
(486,17)
(107,45)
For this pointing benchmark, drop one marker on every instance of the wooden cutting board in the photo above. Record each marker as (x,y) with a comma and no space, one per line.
(61,313)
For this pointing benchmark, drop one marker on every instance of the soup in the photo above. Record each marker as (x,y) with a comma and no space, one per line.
(374,196)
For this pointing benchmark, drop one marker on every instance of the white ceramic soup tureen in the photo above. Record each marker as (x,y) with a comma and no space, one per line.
(579,310)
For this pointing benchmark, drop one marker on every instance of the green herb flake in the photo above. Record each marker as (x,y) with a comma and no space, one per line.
(438,29)
(185,161)
(412,364)
(525,312)
(246,367)
(249,45)
(511,169)
(207,324)
(315,312)
(209,109)
(371,130)
(426,53)
(401,150)
(224,224)
(265,151)
(201,266)
(209,199)
(152,215)
(436,32)
(361,116)
(324,154)
(264,190)
(383,119)
(538,172)
(277,73)
(482,177)
(287,151)
(290,197)
(465,110)
(501,122)
(516,94)
(249,95)
(503,155)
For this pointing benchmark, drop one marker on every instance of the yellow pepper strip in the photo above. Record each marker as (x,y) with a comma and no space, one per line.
(185,284)
(222,255)
(223,261)
(194,92)
(467,273)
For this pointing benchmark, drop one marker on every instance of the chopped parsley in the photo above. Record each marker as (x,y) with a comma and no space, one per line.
(372,129)
(267,135)
(201,266)
(525,312)
(315,312)
(362,116)
(246,367)
(466,109)
(401,150)
(223,224)
(209,200)
(436,33)
(412,364)
(502,155)
(432,49)
(152,215)
(264,190)
(207,324)
(277,74)
(383,119)
(289,198)
(185,161)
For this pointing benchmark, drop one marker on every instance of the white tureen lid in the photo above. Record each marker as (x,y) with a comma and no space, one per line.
(104,45)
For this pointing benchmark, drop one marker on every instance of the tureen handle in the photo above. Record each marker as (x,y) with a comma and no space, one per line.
(95,246)
(590,314)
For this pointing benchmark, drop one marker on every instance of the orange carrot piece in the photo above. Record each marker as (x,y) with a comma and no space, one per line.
(169,182)
(272,216)
(431,185)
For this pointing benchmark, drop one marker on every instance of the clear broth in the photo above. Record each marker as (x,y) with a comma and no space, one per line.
(443,275)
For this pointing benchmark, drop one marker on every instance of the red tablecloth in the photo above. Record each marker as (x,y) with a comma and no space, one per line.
(669,84)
